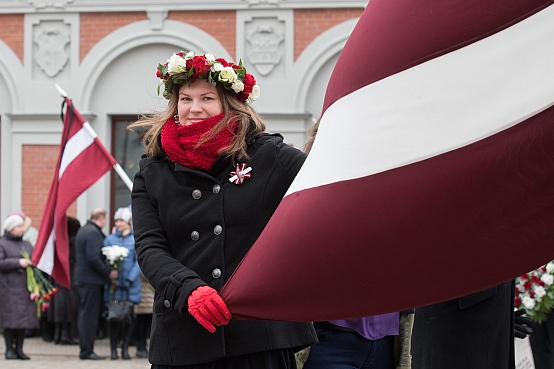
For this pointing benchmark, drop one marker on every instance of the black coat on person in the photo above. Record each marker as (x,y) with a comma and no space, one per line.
(192,228)
(471,332)
(90,263)
(17,311)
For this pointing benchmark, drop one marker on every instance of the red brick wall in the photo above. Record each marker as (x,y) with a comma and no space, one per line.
(221,24)
(39,164)
(11,32)
(310,23)
(95,26)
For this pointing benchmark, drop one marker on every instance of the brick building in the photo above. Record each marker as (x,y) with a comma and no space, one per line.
(104,54)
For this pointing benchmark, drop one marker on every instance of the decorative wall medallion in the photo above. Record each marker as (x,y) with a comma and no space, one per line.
(265,53)
(51,56)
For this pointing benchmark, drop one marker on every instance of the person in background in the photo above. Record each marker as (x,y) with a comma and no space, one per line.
(143,314)
(143,317)
(542,342)
(18,311)
(128,282)
(208,184)
(64,303)
(91,273)
(474,331)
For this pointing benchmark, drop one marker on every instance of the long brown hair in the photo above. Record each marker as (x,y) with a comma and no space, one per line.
(248,122)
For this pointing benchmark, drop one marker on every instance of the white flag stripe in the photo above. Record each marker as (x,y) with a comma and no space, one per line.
(46,263)
(76,145)
(435,107)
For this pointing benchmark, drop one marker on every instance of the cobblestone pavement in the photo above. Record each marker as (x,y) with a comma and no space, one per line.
(48,355)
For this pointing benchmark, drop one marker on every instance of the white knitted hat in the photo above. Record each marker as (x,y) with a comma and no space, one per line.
(123,214)
(12,221)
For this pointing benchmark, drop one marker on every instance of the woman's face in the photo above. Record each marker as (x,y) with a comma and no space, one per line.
(18,230)
(197,102)
(122,225)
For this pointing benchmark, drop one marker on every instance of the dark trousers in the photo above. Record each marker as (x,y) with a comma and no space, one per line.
(345,349)
(91,299)
(542,343)
(275,359)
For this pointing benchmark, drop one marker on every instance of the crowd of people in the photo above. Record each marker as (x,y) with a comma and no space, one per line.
(210,180)
(77,315)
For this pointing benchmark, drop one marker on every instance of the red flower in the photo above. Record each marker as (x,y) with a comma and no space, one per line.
(525,276)
(541,283)
(517,301)
(532,294)
(527,285)
(201,66)
(223,62)
(534,279)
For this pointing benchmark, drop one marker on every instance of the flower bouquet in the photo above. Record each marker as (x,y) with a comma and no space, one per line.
(40,288)
(115,255)
(535,292)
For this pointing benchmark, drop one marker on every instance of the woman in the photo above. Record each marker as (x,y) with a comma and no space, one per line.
(64,304)
(208,184)
(17,310)
(127,287)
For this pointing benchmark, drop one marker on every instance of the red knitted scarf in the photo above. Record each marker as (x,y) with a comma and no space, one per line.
(179,142)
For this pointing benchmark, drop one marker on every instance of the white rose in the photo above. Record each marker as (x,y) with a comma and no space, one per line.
(237,86)
(539,291)
(227,74)
(176,64)
(548,279)
(528,302)
(209,57)
(190,55)
(254,94)
(216,67)
(550,267)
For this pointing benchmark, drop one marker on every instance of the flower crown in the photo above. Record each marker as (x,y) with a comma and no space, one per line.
(188,67)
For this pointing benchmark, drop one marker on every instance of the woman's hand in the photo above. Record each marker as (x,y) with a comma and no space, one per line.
(208,308)
(24,263)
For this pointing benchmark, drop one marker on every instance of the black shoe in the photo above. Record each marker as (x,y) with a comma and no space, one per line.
(142,354)
(21,355)
(92,356)
(67,342)
(11,355)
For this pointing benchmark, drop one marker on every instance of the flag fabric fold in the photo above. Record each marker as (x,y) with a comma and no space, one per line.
(81,162)
(431,175)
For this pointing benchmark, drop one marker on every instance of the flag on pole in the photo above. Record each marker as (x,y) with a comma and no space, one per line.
(81,162)
(432,174)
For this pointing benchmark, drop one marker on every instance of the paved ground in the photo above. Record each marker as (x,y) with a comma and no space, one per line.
(48,355)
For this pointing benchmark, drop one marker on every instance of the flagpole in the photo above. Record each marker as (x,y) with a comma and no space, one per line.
(124,177)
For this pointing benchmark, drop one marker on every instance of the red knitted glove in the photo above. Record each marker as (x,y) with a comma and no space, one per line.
(207,307)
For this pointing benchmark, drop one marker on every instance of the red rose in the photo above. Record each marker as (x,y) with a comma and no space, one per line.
(532,294)
(527,285)
(517,301)
(201,66)
(541,283)
(543,269)
(181,54)
(223,62)
(159,73)
(525,276)
(534,279)
(249,83)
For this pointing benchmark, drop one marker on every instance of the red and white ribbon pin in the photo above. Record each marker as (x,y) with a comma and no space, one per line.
(238,175)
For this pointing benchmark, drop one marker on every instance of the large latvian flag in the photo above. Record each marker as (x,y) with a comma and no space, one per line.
(432,174)
(82,161)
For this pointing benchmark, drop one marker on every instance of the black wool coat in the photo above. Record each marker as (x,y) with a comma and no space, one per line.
(17,311)
(90,264)
(471,332)
(192,228)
